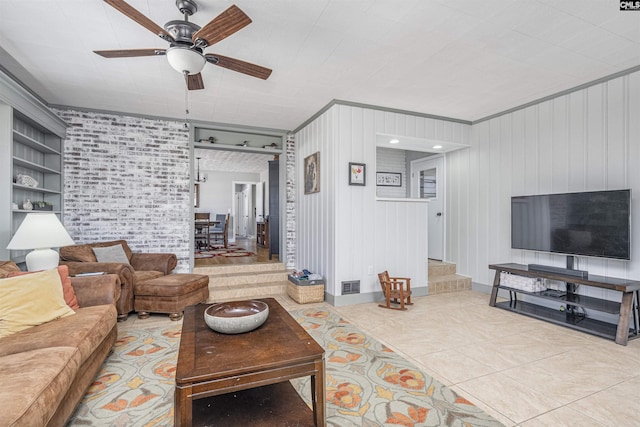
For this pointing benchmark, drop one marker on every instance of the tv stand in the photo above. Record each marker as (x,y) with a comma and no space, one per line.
(574,316)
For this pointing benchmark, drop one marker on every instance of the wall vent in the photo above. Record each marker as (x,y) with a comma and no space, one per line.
(352,287)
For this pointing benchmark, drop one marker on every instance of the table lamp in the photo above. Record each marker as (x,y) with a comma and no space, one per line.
(40,232)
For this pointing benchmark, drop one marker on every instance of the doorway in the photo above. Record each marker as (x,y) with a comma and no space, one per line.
(427,182)
(244,209)
(224,161)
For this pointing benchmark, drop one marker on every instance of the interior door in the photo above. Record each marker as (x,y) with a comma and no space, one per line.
(246,210)
(427,182)
(239,225)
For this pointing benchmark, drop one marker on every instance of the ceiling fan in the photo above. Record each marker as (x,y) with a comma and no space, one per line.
(188,40)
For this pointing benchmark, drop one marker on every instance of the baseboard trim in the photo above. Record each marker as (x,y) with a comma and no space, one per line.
(479,287)
(344,300)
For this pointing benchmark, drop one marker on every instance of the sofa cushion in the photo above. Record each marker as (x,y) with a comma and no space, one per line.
(113,253)
(84,253)
(79,253)
(68,292)
(83,331)
(31,300)
(143,276)
(7,267)
(172,285)
(34,383)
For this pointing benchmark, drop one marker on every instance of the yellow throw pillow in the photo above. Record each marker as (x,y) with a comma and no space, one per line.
(31,300)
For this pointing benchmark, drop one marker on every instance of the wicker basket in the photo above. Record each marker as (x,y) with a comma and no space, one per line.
(305,294)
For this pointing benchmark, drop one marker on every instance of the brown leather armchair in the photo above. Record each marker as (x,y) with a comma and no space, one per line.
(141,267)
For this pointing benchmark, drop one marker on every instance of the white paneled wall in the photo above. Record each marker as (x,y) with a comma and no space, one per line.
(400,241)
(391,160)
(343,232)
(583,141)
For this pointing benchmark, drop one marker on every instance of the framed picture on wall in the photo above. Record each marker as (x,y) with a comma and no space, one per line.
(388,179)
(357,173)
(312,173)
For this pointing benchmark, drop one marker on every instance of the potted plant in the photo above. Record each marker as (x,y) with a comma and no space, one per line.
(42,206)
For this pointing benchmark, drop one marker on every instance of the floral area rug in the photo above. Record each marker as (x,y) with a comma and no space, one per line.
(135,385)
(368,384)
(230,251)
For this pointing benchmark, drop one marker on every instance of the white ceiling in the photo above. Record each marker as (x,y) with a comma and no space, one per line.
(464,59)
(231,161)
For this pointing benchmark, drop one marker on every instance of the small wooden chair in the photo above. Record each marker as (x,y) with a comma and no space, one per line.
(396,290)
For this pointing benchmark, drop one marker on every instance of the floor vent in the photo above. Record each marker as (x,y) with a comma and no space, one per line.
(352,287)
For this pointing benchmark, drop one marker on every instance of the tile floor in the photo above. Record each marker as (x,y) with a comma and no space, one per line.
(522,371)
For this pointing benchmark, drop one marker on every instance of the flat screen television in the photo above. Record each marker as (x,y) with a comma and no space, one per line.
(594,223)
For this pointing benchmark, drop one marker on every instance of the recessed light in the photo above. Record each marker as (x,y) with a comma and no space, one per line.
(394,141)
(437,147)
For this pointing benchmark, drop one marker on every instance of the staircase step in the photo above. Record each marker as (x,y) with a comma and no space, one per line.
(239,268)
(449,283)
(245,281)
(246,278)
(439,268)
(247,291)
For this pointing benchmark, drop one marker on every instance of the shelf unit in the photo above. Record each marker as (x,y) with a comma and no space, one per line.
(38,154)
(262,233)
(31,143)
(573,317)
(237,138)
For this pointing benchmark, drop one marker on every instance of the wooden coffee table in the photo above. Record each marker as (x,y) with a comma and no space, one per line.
(212,364)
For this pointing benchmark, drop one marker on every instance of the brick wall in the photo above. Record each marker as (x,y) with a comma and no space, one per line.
(128,178)
(290,214)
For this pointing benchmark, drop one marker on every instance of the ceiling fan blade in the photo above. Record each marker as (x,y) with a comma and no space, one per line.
(194,82)
(222,26)
(128,53)
(239,66)
(128,10)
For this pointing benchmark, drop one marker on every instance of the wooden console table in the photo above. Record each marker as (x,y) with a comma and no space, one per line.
(628,307)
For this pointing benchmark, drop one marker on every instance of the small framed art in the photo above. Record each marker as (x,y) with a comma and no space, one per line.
(312,173)
(357,173)
(388,179)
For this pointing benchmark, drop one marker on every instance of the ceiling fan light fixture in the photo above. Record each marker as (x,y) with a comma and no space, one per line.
(182,59)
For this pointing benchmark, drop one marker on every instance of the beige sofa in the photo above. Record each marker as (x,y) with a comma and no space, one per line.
(141,267)
(45,370)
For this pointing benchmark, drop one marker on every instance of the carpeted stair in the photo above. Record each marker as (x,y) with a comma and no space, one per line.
(443,278)
(245,281)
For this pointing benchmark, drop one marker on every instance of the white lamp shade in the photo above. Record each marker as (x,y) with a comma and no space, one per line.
(184,59)
(40,231)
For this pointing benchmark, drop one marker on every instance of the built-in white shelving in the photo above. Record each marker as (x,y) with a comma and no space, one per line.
(31,144)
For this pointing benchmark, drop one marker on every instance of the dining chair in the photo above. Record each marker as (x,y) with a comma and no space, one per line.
(202,236)
(396,290)
(222,232)
(219,226)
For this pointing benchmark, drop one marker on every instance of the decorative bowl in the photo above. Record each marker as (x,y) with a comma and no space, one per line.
(26,180)
(236,317)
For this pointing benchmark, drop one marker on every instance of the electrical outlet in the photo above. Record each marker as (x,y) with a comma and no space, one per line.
(370,270)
